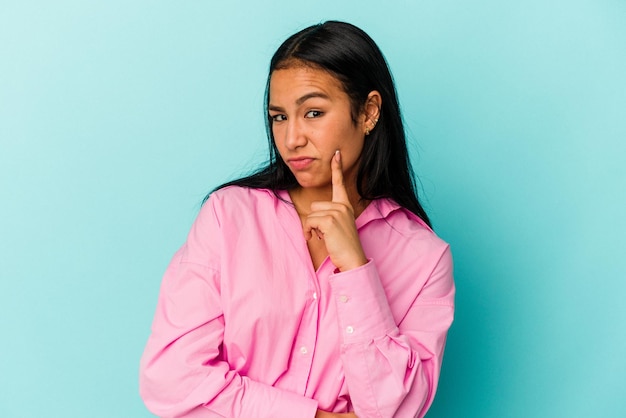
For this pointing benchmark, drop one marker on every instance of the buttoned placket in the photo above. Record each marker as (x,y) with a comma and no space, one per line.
(304,347)
(306,340)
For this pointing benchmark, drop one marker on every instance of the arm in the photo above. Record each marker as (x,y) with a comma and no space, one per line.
(391,363)
(392,370)
(182,371)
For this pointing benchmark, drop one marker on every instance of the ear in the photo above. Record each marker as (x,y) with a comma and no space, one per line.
(371,111)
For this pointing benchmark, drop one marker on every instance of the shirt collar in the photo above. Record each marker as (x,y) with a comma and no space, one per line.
(377,209)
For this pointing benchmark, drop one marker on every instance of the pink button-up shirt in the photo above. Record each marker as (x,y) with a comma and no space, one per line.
(245,327)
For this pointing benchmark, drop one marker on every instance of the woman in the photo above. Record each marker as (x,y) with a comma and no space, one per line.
(314,287)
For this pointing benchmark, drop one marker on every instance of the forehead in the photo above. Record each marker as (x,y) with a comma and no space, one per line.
(295,81)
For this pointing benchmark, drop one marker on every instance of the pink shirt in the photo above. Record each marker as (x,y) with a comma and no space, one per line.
(245,327)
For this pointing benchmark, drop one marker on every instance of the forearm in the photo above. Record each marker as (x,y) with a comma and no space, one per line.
(183,373)
(178,380)
(392,368)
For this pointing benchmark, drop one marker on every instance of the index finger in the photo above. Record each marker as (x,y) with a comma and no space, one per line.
(340,194)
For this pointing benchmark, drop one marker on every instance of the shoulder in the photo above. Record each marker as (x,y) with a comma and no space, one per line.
(403,246)
(406,226)
(239,202)
(240,192)
(401,243)
(238,196)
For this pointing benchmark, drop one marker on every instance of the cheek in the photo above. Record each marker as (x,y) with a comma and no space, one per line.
(275,133)
(351,141)
(277,137)
(278,147)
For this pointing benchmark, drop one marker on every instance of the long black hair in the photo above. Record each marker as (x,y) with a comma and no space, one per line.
(351,56)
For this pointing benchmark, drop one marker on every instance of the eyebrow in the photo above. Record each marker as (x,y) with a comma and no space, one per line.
(302,99)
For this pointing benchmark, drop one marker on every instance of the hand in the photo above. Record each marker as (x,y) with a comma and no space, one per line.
(324,414)
(334,223)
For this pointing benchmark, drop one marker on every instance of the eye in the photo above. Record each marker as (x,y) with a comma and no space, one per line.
(313,114)
(278,118)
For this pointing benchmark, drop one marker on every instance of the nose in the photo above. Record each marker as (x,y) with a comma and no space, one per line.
(294,135)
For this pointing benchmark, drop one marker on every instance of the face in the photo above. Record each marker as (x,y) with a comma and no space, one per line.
(311,119)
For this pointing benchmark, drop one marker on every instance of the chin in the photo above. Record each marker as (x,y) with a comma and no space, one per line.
(311,184)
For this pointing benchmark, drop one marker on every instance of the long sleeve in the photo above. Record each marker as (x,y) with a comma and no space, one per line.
(245,327)
(183,372)
(392,363)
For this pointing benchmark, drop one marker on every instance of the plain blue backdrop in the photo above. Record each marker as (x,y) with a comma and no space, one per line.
(117,117)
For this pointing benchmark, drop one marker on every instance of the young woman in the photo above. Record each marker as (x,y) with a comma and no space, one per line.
(314,287)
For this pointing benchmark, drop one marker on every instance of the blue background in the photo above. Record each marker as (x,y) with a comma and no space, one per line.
(117,117)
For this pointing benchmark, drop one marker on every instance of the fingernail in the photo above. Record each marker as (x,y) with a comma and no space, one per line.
(337,155)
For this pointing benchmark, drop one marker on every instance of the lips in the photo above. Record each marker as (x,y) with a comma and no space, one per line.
(300,163)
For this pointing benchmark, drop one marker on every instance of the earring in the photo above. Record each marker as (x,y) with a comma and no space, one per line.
(368,130)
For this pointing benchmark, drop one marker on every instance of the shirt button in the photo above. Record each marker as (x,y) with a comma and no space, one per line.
(343,298)
(349,330)
(314,295)
(303,350)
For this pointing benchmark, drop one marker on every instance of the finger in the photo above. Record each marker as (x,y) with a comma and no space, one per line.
(311,230)
(339,188)
(325,206)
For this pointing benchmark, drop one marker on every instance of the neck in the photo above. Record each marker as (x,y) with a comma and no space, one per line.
(303,197)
